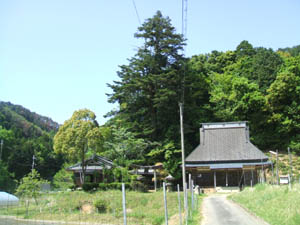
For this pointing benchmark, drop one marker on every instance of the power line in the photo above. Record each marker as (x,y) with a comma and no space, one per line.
(136,11)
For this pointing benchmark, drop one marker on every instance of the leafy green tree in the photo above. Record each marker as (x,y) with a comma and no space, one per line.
(244,49)
(77,136)
(266,64)
(7,182)
(235,98)
(123,146)
(259,65)
(7,138)
(170,156)
(284,104)
(30,186)
(293,51)
(63,179)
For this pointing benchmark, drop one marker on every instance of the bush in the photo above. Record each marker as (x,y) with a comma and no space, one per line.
(63,180)
(101,205)
(113,186)
(138,186)
(87,186)
(102,186)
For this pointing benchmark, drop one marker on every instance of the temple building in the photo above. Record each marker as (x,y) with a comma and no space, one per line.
(225,157)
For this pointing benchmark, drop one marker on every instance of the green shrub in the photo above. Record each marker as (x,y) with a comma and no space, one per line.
(102,186)
(101,205)
(89,186)
(113,186)
(138,186)
(63,180)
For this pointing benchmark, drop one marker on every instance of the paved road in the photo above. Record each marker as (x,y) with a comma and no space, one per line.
(217,210)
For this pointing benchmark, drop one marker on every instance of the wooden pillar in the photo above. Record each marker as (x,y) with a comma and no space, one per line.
(215,180)
(244,172)
(252,176)
(155,180)
(226,178)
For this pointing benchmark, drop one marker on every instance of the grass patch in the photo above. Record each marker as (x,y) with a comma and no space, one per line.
(276,205)
(99,207)
(196,214)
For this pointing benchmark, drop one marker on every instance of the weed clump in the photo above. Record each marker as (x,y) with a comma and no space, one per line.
(101,205)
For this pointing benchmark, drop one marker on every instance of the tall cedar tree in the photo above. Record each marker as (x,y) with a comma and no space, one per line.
(150,86)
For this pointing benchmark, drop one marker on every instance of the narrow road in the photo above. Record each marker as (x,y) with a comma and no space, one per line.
(217,210)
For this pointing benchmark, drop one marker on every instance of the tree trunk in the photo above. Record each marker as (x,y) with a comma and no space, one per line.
(83,165)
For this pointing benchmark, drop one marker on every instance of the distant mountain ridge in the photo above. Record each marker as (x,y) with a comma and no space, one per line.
(17,117)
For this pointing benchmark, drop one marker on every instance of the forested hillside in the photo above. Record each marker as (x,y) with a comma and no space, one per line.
(249,83)
(25,134)
(253,84)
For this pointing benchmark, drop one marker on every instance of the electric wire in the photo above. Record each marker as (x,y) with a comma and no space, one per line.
(136,11)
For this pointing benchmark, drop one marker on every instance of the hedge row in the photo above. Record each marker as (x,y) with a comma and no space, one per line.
(136,186)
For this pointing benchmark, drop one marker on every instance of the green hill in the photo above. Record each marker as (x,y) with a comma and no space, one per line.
(29,123)
(26,134)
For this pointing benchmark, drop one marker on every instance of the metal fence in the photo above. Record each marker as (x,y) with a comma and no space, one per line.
(113,207)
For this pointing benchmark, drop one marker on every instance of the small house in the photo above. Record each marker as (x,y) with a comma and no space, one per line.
(226,157)
(94,172)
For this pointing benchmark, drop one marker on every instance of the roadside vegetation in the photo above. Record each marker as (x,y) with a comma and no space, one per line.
(276,205)
(284,165)
(103,207)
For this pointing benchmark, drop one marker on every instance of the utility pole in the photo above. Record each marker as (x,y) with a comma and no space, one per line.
(182,154)
(184,33)
(1,149)
(291,165)
(277,175)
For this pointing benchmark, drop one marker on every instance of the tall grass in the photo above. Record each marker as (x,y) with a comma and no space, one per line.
(142,208)
(277,205)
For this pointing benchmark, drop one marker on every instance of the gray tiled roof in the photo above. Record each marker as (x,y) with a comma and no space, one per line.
(225,144)
(94,163)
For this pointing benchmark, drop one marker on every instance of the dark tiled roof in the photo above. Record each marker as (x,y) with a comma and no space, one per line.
(225,145)
(94,163)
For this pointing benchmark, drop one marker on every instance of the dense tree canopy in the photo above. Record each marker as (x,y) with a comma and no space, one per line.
(25,134)
(250,83)
(77,136)
(255,84)
(150,86)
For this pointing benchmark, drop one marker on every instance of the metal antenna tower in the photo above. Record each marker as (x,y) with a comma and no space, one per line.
(184,19)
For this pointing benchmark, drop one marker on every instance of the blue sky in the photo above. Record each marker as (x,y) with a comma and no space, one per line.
(57,56)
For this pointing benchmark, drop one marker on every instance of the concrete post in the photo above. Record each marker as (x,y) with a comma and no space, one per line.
(155,180)
(215,180)
(179,204)
(165,200)
(124,203)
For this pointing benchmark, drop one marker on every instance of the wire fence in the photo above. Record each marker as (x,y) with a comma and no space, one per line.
(103,207)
